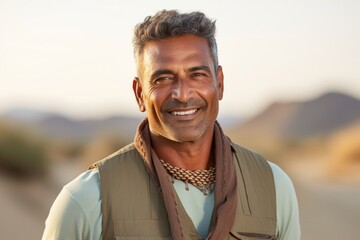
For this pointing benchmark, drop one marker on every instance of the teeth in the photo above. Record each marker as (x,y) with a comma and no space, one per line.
(182,113)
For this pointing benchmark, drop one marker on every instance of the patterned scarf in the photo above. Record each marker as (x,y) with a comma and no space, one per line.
(225,183)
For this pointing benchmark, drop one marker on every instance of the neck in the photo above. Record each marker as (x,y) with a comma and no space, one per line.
(194,155)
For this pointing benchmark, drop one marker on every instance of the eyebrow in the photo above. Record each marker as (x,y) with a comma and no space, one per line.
(161,72)
(191,69)
(197,68)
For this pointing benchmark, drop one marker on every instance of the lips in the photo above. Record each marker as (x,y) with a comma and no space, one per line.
(184,113)
(183,110)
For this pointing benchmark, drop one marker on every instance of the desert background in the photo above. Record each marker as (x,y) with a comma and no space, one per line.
(292,93)
(316,141)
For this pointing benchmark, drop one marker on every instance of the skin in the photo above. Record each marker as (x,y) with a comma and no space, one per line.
(180,92)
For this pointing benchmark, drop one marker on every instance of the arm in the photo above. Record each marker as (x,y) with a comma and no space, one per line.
(66,219)
(76,212)
(288,225)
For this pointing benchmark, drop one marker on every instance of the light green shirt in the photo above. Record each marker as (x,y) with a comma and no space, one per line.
(76,212)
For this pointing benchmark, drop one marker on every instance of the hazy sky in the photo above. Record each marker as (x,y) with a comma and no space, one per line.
(76,56)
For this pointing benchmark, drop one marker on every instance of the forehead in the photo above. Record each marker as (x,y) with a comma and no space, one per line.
(183,50)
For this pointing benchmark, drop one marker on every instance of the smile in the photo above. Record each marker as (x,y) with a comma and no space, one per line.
(183,113)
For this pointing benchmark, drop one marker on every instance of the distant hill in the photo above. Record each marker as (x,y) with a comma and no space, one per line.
(59,126)
(25,115)
(319,116)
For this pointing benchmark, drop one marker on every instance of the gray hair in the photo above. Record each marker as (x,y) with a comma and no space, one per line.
(170,23)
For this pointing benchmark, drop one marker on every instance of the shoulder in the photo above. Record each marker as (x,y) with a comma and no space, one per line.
(114,158)
(285,191)
(85,189)
(281,179)
(246,153)
(76,212)
(253,162)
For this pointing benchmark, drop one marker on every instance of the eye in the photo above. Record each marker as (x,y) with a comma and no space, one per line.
(197,75)
(163,79)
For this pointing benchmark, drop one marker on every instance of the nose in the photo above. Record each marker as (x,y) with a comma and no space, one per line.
(182,90)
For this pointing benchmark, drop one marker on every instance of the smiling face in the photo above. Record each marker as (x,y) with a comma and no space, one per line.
(179,88)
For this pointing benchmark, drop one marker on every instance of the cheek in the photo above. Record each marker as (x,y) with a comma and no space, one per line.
(209,93)
(156,97)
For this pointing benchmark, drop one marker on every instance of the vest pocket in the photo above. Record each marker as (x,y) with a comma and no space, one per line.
(141,238)
(137,229)
(249,236)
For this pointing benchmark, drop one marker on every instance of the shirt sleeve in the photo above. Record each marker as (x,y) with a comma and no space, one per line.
(66,219)
(288,224)
(76,212)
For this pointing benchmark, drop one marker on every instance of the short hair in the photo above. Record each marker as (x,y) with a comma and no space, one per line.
(170,23)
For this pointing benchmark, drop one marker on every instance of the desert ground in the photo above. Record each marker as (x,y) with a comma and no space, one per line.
(329,205)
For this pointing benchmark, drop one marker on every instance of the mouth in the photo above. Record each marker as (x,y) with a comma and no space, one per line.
(184,113)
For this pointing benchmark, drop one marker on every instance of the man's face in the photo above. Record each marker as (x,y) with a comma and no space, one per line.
(180,89)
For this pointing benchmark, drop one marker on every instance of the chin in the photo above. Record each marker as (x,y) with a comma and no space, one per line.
(183,137)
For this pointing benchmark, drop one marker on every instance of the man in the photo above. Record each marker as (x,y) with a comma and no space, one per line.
(182,178)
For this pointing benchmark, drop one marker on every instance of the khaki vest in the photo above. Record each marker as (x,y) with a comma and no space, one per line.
(133,208)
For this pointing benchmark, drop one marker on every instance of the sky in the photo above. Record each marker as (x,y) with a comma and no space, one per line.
(75,57)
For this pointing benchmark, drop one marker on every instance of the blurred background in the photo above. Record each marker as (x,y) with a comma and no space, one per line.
(292,93)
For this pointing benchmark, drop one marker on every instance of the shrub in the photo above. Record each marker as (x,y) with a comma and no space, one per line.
(21,153)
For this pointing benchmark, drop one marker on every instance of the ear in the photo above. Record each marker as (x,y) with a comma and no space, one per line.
(137,88)
(220,82)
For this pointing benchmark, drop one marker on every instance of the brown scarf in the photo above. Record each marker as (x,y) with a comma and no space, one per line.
(225,183)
